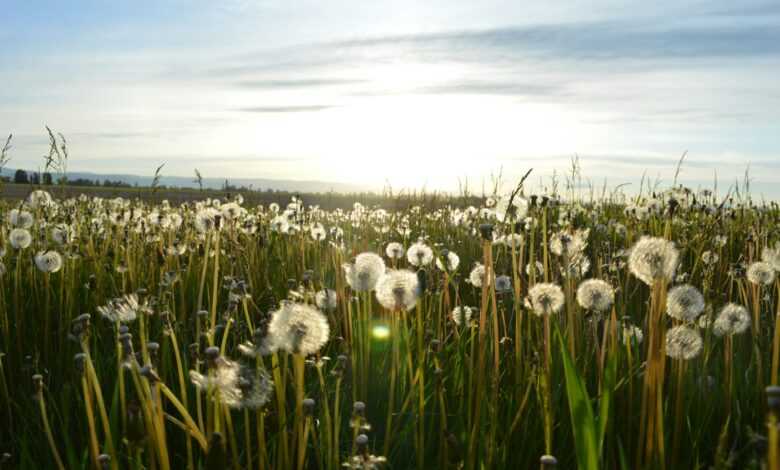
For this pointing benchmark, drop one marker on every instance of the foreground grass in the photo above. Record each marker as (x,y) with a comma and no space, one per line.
(513,383)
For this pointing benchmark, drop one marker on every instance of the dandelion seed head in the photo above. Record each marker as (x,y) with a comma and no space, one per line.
(419,254)
(398,290)
(365,272)
(772,256)
(683,342)
(732,319)
(326,299)
(452,262)
(461,315)
(20,238)
(653,259)
(545,298)
(595,295)
(298,328)
(761,273)
(48,261)
(684,303)
(394,250)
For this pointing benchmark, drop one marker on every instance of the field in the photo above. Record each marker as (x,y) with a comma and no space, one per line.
(513,331)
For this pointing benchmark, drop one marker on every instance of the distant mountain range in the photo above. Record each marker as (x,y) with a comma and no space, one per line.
(261,184)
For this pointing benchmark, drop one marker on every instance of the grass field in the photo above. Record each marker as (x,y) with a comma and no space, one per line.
(511,331)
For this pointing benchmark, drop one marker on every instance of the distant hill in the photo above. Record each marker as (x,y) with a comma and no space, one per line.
(217,183)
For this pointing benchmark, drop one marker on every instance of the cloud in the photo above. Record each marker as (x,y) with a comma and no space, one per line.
(270,84)
(285,109)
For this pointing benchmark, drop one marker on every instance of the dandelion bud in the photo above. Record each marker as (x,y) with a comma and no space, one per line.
(5,458)
(123,329)
(533,198)
(153,349)
(548,462)
(773,398)
(141,292)
(79,361)
(38,382)
(308,406)
(202,314)
(308,275)
(292,284)
(358,408)
(545,200)
(362,443)
(212,353)
(148,372)
(486,230)
(105,461)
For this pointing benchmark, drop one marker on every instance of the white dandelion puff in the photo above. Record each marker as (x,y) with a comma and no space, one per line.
(452,262)
(461,315)
(732,319)
(419,254)
(398,290)
(326,299)
(684,303)
(394,250)
(364,273)
(653,259)
(595,295)
(683,342)
(298,328)
(761,273)
(545,298)
(48,261)
(20,238)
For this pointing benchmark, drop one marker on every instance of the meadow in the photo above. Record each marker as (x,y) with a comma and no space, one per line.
(513,330)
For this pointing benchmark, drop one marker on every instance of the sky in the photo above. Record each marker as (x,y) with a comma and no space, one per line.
(407,93)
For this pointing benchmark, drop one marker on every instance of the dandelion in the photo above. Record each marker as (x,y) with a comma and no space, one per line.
(545,298)
(236,386)
(732,319)
(318,232)
(709,258)
(539,268)
(125,309)
(761,273)
(477,275)
(394,250)
(461,315)
(326,299)
(772,256)
(20,218)
(298,329)
(571,244)
(595,295)
(48,261)
(398,290)
(632,334)
(653,259)
(63,234)
(419,254)
(503,284)
(364,273)
(20,238)
(683,342)
(452,261)
(684,303)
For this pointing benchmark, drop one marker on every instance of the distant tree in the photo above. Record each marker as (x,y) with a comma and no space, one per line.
(21,177)
(35,178)
(47,180)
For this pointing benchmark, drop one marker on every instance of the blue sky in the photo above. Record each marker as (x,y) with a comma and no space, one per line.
(406,92)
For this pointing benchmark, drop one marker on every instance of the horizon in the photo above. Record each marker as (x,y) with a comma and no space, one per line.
(406,94)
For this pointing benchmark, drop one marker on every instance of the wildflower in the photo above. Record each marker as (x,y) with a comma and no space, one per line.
(653,259)
(452,261)
(709,258)
(39,198)
(326,299)
(461,315)
(236,386)
(394,250)
(595,295)
(732,319)
(539,268)
(20,238)
(545,299)
(477,275)
(318,232)
(419,254)
(207,220)
(685,303)
(570,244)
(124,309)
(761,273)
(63,234)
(683,342)
(298,328)
(632,334)
(398,290)
(772,256)
(20,218)
(364,273)
(503,284)
(48,261)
